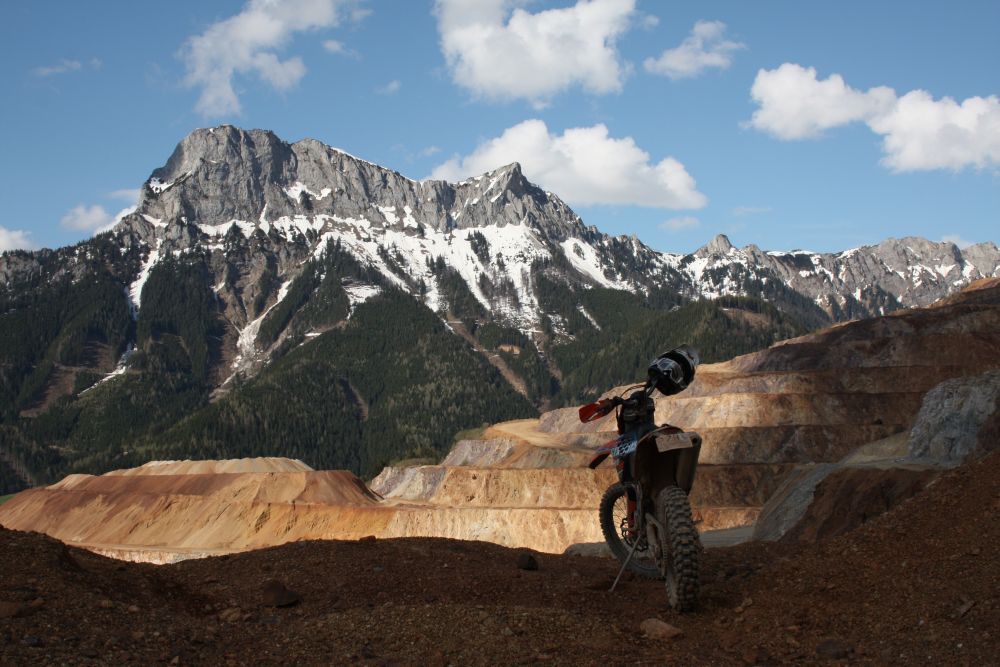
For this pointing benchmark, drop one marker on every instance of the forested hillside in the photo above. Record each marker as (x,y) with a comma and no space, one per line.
(291,299)
(352,386)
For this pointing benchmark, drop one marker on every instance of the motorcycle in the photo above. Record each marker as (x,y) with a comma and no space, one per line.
(645,516)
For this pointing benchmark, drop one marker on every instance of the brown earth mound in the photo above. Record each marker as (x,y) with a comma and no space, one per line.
(160,513)
(914,586)
(168,512)
(260,464)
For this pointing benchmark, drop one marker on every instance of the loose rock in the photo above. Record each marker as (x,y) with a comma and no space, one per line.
(654,628)
(276,594)
(526,561)
(834,649)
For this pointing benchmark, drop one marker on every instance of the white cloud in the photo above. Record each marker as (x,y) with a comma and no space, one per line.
(957,240)
(130,195)
(498,50)
(333,46)
(358,14)
(680,223)
(922,133)
(15,239)
(92,218)
(390,88)
(705,47)
(429,151)
(86,218)
(65,66)
(246,44)
(62,67)
(649,21)
(918,132)
(583,165)
(794,104)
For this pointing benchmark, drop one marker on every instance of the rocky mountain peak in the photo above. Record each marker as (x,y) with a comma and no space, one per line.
(262,208)
(719,245)
(223,144)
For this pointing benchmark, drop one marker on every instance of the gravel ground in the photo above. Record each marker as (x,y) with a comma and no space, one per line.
(918,585)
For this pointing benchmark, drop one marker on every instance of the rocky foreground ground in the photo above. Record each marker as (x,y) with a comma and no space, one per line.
(918,585)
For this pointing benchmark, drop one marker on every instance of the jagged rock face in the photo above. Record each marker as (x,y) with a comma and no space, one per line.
(256,202)
(958,421)
(258,208)
(223,174)
(872,280)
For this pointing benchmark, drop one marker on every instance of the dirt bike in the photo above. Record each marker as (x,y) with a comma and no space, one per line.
(646,517)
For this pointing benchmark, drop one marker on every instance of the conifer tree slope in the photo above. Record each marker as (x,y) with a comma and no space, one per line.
(249,266)
(393,383)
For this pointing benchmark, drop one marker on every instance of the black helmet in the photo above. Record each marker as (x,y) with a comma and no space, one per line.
(673,371)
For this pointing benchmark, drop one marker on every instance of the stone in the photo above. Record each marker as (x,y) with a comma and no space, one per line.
(834,649)
(526,561)
(231,615)
(654,628)
(947,429)
(11,610)
(276,594)
(589,550)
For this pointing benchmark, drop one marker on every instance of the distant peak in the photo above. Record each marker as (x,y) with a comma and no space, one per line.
(512,168)
(222,143)
(719,245)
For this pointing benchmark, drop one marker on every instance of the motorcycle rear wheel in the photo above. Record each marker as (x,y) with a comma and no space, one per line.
(681,548)
(614,525)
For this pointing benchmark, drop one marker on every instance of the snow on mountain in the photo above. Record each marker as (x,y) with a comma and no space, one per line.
(260,209)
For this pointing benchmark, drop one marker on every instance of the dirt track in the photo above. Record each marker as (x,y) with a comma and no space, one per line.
(918,585)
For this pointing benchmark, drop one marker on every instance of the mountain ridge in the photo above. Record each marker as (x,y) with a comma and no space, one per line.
(244,249)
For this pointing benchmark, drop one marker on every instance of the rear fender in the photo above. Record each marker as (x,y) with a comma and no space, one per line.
(668,460)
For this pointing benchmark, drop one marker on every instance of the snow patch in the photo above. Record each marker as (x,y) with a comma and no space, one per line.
(156,222)
(217,230)
(135,289)
(584,259)
(158,186)
(295,191)
(358,293)
(583,311)
(408,219)
(248,334)
(390,214)
(120,369)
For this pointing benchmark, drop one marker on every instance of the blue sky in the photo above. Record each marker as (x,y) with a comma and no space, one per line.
(784,124)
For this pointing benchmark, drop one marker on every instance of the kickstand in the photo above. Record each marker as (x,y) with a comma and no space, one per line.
(624,565)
